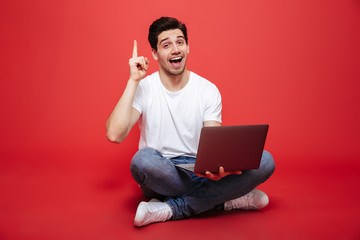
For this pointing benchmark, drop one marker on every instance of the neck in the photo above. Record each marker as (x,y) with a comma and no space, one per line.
(174,83)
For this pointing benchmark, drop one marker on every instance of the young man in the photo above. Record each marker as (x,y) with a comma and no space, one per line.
(171,106)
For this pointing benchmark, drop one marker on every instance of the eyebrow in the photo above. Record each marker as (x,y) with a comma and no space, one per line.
(165,39)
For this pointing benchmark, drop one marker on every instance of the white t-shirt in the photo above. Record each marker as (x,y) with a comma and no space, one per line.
(171,122)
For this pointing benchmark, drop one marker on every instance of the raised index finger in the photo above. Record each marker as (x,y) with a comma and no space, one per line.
(134,55)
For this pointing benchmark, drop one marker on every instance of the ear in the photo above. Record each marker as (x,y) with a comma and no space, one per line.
(154,53)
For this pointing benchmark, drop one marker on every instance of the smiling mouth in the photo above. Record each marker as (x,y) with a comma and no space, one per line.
(176,60)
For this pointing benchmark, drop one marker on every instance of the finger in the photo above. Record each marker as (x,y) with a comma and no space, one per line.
(144,64)
(134,55)
(138,62)
(135,62)
(147,62)
(209,174)
(221,172)
(200,175)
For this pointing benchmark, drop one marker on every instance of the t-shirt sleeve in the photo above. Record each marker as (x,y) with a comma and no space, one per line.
(213,105)
(138,99)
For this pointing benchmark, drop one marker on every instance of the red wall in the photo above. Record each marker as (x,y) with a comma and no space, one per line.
(292,64)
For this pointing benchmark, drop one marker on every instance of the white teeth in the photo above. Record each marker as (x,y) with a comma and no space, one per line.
(174,59)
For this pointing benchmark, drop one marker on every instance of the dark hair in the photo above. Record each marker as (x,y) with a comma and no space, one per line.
(163,24)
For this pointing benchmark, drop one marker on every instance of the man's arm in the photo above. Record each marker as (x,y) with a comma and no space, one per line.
(124,116)
(211,124)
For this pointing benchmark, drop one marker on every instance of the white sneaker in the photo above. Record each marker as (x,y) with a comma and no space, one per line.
(255,199)
(152,211)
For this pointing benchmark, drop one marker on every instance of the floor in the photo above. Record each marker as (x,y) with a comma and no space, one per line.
(76,196)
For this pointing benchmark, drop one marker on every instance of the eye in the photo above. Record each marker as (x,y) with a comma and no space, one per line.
(180,42)
(166,45)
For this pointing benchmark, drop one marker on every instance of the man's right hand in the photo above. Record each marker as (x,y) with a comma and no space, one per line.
(138,65)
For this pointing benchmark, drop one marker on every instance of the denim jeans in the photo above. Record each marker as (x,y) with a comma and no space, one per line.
(186,193)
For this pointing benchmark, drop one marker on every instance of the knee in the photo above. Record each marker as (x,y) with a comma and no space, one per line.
(268,163)
(142,159)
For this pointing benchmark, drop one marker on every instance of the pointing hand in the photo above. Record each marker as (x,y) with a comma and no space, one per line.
(138,65)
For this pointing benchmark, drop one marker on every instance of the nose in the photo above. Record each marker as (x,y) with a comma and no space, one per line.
(175,49)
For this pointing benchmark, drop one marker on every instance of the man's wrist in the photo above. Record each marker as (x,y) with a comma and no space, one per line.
(133,81)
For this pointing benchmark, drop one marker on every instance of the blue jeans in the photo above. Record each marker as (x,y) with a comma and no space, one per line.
(186,193)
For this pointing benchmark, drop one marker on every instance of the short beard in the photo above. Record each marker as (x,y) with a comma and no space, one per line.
(176,73)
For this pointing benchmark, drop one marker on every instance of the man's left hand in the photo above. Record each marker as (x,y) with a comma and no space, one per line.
(217,176)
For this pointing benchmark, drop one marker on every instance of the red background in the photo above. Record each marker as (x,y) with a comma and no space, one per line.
(64,65)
